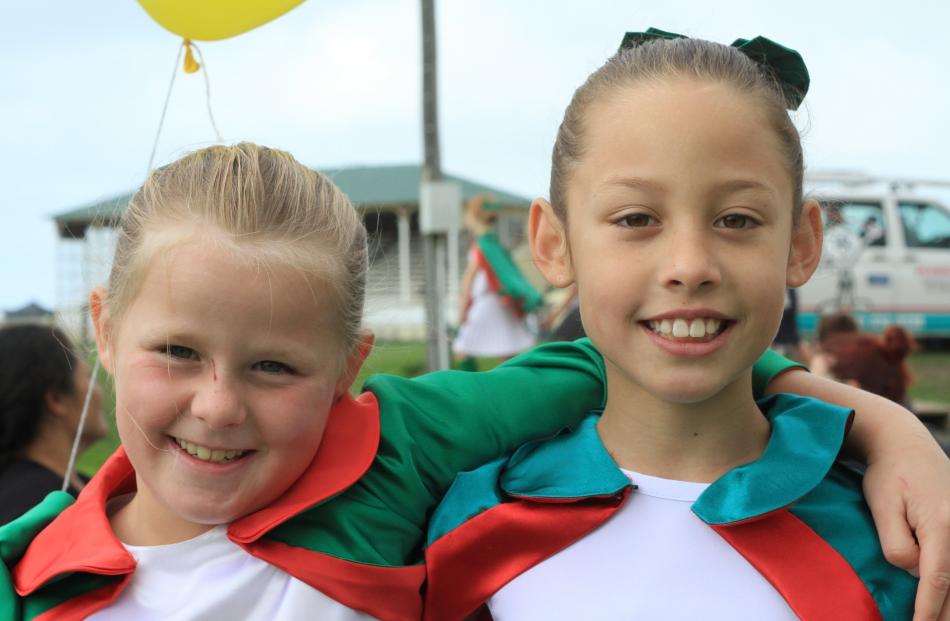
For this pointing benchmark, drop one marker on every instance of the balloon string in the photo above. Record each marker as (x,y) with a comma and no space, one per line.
(82,423)
(204,65)
(161,120)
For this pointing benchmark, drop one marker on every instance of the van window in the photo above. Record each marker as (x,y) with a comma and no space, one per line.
(926,225)
(866,220)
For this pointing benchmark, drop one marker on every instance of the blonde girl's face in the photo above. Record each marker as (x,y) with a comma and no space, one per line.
(679,237)
(225,373)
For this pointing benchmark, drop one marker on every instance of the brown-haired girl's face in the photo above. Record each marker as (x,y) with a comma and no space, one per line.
(679,236)
(225,372)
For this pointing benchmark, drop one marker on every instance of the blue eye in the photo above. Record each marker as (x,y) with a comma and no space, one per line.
(637,220)
(179,351)
(272,366)
(736,221)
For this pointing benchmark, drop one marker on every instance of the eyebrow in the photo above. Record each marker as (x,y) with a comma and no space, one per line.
(648,185)
(636,183)
(737,185)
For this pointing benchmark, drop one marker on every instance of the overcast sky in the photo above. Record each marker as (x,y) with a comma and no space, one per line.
(338,83)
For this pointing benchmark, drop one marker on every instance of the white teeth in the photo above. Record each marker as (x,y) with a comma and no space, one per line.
(680,328)
(207,454)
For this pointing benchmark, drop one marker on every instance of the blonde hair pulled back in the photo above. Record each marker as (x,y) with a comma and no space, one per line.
(268,205)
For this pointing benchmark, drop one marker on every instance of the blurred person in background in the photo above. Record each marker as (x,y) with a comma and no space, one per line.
(564,321)
(876,364)
(836,323)
(43,384)
(787,341)
(495,297)
(813,354)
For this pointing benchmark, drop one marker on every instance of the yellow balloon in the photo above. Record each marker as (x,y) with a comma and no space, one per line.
(209,20)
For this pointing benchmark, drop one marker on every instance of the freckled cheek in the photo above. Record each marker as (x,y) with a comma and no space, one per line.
(149,391)
(294,414)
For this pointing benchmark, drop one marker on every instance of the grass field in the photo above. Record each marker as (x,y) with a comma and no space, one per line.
(931,376)
(931,383)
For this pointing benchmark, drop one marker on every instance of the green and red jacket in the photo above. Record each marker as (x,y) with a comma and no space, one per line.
(353,526)
(795,514)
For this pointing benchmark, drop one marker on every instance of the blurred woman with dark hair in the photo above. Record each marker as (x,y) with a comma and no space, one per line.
(43,386)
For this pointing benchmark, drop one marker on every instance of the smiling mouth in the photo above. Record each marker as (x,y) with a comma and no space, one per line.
(682,329)
(204,453)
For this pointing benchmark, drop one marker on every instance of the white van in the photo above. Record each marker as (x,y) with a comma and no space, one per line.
(886,258)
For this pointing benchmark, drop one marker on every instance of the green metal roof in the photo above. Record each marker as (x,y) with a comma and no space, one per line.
(366,186)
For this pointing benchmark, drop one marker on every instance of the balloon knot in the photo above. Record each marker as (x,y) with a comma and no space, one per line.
(191,65)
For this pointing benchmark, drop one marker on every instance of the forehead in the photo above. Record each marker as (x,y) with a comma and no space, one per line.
(682,130)
(202,286)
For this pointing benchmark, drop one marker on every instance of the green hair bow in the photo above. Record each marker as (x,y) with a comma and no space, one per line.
(786,64)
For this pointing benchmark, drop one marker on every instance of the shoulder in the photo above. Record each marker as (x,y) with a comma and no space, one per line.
(23,484)
(471,494)
(502,518)
(556,472)
(15,538)
(837,512)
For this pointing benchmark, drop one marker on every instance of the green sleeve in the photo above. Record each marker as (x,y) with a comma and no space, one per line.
(15,536)
(769,366)
(433,427)
(437,425)
(458,420)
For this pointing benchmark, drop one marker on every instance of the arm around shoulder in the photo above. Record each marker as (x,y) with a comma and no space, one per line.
(907,484)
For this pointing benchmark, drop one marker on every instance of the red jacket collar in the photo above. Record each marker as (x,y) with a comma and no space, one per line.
(81,538)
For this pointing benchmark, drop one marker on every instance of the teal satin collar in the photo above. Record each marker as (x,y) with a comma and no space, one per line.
(573,465)
(807,435)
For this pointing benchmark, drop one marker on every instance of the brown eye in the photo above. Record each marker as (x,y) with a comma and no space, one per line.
(637,220)
(736,221)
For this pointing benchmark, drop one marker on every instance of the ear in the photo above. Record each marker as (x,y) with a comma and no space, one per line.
(100,319)
(806,245)
(354,362)
(55,403)
(549,246)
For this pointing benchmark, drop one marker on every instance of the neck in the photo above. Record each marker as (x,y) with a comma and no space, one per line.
(139,520)
(685,441)
(51,449)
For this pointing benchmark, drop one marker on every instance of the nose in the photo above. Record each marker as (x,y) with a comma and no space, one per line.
(689,262)
(218,402)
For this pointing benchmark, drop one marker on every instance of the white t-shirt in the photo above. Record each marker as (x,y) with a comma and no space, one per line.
(654,559)
(212,578)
